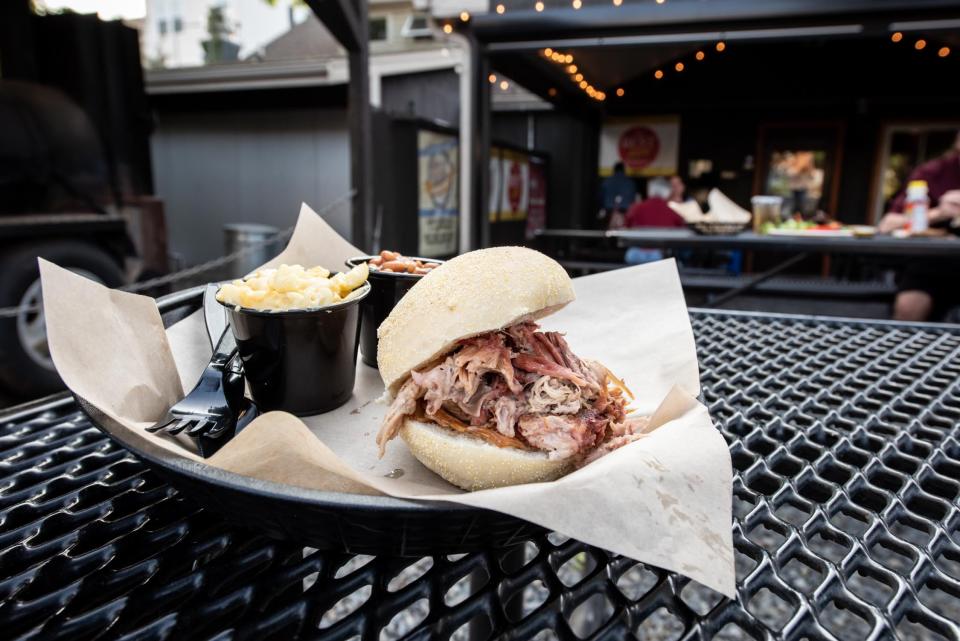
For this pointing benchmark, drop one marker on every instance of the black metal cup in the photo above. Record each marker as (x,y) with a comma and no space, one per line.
(386,289)
(299,361)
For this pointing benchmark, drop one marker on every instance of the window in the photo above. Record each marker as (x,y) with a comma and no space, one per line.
(416,26)
(162,27)
(378,29)
(177,25)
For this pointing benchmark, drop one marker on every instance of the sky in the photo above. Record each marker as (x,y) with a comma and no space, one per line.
(106,9)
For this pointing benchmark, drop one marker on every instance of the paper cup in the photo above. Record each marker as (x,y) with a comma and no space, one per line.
(386,289)
(299,361)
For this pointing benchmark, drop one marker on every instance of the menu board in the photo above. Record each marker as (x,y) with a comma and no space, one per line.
(646,146)
(437,181)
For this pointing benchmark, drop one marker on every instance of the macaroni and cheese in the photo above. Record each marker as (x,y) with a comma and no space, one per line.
(292,287)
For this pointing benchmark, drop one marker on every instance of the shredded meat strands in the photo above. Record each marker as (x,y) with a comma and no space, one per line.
(520,388)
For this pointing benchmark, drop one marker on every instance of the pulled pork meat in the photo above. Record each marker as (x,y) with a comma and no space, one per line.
(523,388)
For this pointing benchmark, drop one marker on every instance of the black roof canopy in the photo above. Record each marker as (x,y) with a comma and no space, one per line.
(622,46)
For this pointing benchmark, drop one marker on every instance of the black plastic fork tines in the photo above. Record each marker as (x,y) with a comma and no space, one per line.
(210,410)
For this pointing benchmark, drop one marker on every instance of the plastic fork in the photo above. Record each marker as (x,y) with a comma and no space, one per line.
(213,406)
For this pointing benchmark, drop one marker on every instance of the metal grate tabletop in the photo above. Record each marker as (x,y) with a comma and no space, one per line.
(845,439)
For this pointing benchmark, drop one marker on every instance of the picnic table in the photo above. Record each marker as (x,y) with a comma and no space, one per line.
(845,441)
(948,246)
(798,246)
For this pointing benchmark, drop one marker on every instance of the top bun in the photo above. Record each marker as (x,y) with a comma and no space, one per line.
(481,291)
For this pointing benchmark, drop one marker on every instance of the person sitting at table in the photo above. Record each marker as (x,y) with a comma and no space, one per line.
(617,192)
(928,288)
(654,212)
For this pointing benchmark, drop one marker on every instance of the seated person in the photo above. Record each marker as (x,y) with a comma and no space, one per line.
(928,288)
(654,212)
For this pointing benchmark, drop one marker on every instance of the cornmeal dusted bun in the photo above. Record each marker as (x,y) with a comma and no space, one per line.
(481,291)
(473,464)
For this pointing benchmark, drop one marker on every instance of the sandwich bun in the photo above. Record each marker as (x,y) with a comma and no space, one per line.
(471,463)
(477,292)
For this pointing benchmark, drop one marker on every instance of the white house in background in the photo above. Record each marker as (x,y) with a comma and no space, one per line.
(174,30)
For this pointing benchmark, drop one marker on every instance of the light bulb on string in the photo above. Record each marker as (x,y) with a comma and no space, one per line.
(896,37)
(464,16)
(538,6)
(658,74)
(944,52)
(572,69)
(920,44)
(548,52)
(448,28)
(501,9)
(504,85)
(583,84)
(620,92)
(678,66)
(700,55)
(721,46)
(577,4)
(578,77)
(492,78)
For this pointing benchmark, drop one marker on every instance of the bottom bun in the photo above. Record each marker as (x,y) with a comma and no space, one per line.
(472,463)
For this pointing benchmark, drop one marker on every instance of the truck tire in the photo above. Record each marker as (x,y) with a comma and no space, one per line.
(25,366)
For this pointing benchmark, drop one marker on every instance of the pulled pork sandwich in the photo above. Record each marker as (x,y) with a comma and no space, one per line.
(481,395)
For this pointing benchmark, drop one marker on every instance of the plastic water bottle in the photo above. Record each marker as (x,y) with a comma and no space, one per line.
(916,205)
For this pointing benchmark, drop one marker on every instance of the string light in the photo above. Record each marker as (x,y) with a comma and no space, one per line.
(721,45)
(538,6)
(661,1)
(617,3)
(620,92)
(944,52)
(464,16)
(920,44)
(501,9)
(448,28)
(552,92)
(492,78)
(897,37)
(678,66)
(658,74)
(700,55)
(575,73)
(577,4)
(504,85)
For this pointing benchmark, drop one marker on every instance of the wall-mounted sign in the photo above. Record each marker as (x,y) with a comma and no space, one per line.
(646,146)
(515,185)
(537,197)
(437,177)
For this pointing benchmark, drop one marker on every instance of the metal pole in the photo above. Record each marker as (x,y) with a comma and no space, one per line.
(361,138)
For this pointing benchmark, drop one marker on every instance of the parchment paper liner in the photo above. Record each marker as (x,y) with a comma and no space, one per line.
(664,500)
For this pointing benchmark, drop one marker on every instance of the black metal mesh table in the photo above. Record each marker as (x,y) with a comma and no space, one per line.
(845,439)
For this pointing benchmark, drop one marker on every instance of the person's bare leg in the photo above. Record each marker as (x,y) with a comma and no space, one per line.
(912,305)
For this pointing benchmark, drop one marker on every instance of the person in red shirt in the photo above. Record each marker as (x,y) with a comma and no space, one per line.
(929,286)
(654,211)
